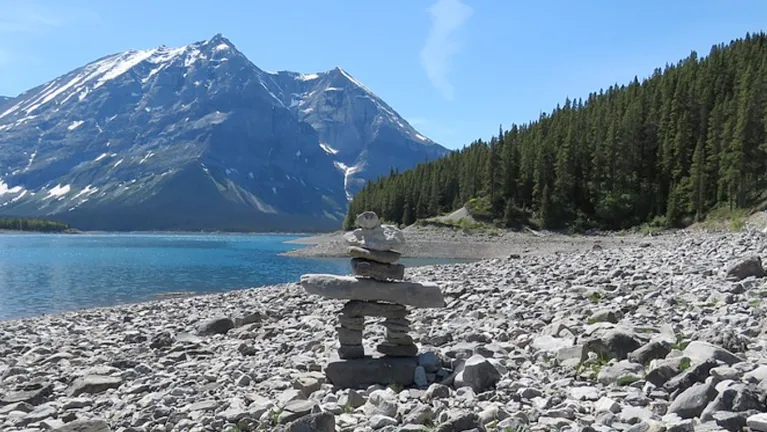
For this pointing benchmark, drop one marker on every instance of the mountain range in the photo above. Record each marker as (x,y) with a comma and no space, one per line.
(197,138)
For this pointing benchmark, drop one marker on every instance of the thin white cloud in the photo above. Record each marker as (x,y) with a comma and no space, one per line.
(447,17)
(35,17)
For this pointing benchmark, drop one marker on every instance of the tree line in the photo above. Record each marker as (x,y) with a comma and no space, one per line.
(38,225)
(689,139)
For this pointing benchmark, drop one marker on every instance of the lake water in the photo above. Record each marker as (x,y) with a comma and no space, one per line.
(42,274)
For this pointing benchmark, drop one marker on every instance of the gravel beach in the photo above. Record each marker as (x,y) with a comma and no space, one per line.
(660,334)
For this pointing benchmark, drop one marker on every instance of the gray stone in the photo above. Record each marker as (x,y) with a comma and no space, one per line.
(93,384)
(395,350)
(604,315)
(691,402)
(367,220)
(379,421)
(381,402)
(33,397)
(320,422)
(296,409)
(352,322)
(751,266)
(616,343)
(381,238)
(351,351)
(385,257)
(757,422)
(364,372)
(462,422)
(375,270)
(218,325)
(437,391)
(656,349)
(425,295)
(349,337)
(85,426)
(695,374)
(732,421)
(477,373)
(357,308)
(699,351)
(420,379)
(398,338)
(622,373)
(429,361)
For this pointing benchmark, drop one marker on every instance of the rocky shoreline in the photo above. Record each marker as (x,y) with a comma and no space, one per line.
(640,336)
(447,243)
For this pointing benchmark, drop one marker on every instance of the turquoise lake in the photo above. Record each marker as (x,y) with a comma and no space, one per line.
(43,274)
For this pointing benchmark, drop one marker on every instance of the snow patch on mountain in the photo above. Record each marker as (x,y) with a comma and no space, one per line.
(5,189)
(328,149)
(58,191)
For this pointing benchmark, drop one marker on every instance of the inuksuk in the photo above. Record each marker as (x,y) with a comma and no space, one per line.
(376,289)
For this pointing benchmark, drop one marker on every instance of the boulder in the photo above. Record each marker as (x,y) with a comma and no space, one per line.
(691,402)
(477,373)
(385,257)
(699,351)
(425,295)
(320,422)
(750,266)
(218,325)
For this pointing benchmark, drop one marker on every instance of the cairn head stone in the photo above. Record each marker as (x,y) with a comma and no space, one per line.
(381,238)
(367,220)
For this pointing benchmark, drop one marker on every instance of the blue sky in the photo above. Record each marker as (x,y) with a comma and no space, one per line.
(456,69)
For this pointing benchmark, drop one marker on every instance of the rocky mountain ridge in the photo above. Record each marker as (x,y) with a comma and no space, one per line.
(197,137)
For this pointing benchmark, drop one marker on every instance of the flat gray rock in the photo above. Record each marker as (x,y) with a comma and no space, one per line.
(425,295)
(93,384)
(364,372)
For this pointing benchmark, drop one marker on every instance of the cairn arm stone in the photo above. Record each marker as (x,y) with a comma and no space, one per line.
(424,295)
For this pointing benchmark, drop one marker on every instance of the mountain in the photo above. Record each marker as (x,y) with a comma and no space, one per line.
(685,145)
(354,125)
(192,138)
(4,100)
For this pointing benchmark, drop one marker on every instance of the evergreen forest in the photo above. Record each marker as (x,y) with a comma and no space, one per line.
(665,151)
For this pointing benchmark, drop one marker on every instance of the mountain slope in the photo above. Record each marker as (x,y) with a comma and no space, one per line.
(195,137)
(4,100)
(684,144)
(364,134)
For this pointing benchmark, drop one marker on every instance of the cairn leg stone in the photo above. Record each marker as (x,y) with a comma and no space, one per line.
(350,336)
(374,270)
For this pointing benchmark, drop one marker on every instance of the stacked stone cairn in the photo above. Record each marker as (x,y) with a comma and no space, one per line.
(376,289)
